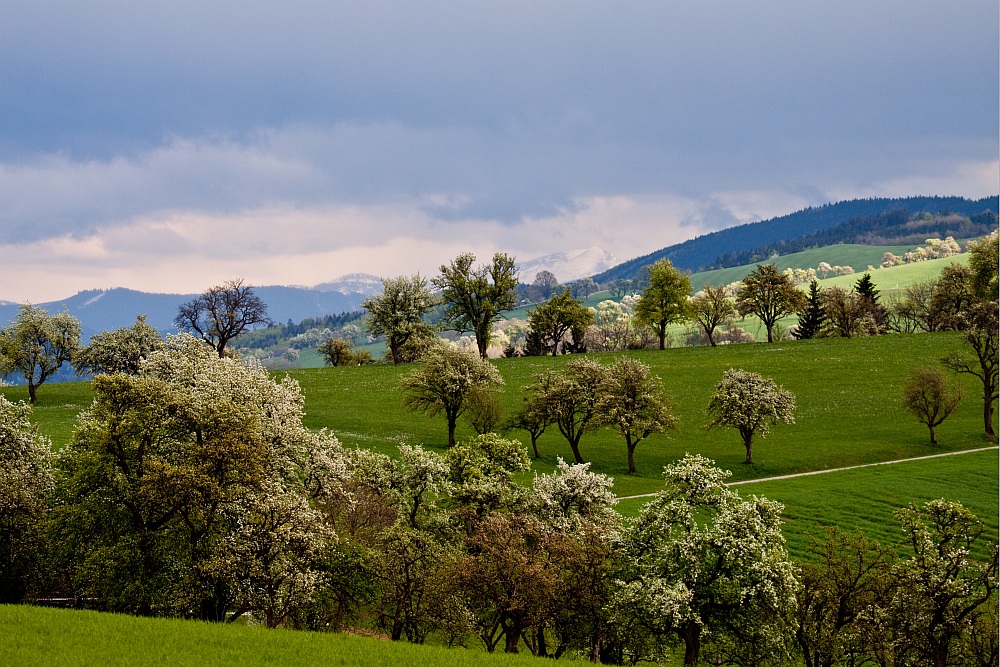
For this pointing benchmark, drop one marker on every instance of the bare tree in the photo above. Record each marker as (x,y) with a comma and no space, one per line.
(222,313)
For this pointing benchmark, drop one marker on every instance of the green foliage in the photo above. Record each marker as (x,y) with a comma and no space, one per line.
(711,308)
(769,295)
(980,334)
(397,313)
(665,300)
(560,315)
(632,401)
(340,352)
(812,318)
(35,345)
(444,380)
(120,351)
(475,298)
(984,260)
(570,399)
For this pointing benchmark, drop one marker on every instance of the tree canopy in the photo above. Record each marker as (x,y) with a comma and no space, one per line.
(749,403)
(665,300)
(769,295)
(560,315)
(397,313)
(35,345)
(476,297)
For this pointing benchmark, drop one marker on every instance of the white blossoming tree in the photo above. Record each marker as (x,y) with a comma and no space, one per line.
(397,313)
(25,482)
(120,351)
(703,566)
(750,403)
(35,345)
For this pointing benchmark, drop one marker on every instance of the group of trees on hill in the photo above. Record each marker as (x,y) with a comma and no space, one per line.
(191,489)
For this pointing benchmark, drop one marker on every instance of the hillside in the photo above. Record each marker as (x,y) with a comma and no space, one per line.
(705,251)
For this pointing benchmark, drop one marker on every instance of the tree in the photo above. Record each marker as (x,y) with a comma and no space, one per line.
(36,345)
(25,484)
(397,313)
(770,296)
(544,285)
(633,403)
(846,578)
(941,592)
(120,351)
(222,313)
(570,399)
(980,333)
(984,262)
(844,312)
(444,380)
(928,396)
(173,476)
(812,318)
(337,352)
(558,316)
(665,300)
(475,299)
(703,566)
(749,403)
(875,318)
(712,308)
(953,297)
(533,419)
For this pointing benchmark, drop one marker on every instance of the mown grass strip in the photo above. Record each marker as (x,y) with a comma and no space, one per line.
(37,636)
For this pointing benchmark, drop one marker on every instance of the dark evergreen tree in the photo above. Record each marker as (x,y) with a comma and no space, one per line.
(866,289)
(811,320)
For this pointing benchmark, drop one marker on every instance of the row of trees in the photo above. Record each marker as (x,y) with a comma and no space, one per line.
(585,395)
(191,489)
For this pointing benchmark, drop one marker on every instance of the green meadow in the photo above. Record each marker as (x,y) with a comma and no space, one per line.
(42,637)
(848,393)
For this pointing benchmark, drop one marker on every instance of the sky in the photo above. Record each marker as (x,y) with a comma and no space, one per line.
(170,146)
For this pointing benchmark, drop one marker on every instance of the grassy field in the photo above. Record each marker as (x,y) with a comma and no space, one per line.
(866,498)
(848,393)
(61,638)
(857,256)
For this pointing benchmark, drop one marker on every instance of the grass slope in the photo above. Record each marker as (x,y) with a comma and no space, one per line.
(848,393)
(866,498)
(55,637)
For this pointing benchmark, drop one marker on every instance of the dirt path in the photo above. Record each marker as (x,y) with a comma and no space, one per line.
(823,472)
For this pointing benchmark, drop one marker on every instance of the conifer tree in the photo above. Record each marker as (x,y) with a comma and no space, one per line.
(811,319)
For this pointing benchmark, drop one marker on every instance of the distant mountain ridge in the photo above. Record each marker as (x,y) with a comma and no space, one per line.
(705,251)
(105,310)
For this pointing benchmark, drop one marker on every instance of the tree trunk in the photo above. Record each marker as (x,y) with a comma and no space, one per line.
(933,439)
(534,444)
(32,392)
(575,446)
(631,457)
(692,643)
(987,412)
(663,336)
(451,430)
(770,334)
(748,443)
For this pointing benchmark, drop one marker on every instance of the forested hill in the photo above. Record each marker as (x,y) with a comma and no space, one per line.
(708,251)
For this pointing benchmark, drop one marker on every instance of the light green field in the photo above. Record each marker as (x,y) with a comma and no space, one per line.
(37,637)
(866,498)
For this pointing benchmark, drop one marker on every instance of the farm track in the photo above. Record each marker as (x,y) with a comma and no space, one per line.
(823,472)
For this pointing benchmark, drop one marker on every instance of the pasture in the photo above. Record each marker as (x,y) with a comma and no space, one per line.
(62,638)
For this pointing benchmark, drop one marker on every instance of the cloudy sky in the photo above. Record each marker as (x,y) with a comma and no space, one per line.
(168,146)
